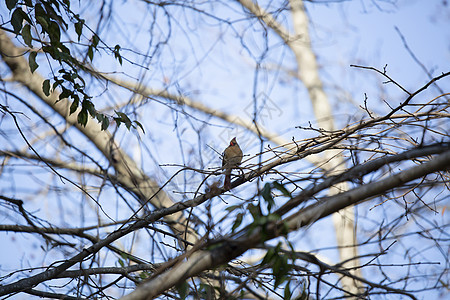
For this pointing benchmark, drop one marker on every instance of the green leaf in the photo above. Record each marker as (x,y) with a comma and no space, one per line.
(121,263)
(267,195)
(282,189)
(182,289)
(28,3)
(144,275)
(83,117)
(79,28)
(41,17)
(74,96)
(206,291)
(55,3)
(280,266)
(231,208)
(74,106)
(57,82)
(67,77)
(17,20)
(105,123)
(100,117)
(53,14)
(287,291)
(46,87)
(139,125)
(43,22)
(273,218)
(54,32)
(64,50)
(26,35)
(25,16)
(269,256)
(10,4)
(65,93)
(49,50)
(303,295)
(280,269)
(284,230)
(123,118)
(117,54)
(125,255)
(95,40)
(255,212)
(89,106)
(82,80)
(90,52)
(237,222)
(32,61)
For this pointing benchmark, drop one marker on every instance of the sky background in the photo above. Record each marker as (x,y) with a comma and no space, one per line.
(208,63)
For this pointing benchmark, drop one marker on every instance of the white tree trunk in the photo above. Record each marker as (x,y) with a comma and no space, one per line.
(308,72)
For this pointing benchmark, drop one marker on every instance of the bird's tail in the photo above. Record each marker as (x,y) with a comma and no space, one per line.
(227,182)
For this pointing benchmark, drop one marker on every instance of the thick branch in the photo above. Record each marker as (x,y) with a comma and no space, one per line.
(328,205)
(229,249)
(128,173)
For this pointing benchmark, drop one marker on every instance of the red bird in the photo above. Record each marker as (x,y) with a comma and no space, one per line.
(232,157)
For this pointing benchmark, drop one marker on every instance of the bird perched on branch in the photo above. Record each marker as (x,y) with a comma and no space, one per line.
(232,157)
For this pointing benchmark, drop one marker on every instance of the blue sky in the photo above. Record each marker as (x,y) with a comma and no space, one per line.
(207,63)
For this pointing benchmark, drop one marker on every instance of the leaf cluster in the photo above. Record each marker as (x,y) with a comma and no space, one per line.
(43,22)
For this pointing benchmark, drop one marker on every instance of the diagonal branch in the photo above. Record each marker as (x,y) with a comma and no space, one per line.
(198,106)
(228,249)
(267,18)
(127,172)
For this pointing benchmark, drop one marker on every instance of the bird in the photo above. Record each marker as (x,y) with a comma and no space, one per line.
(231,159)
